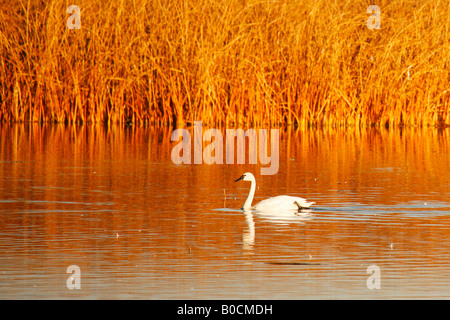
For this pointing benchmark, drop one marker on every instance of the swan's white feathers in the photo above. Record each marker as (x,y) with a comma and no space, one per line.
(274,204)
(283,203)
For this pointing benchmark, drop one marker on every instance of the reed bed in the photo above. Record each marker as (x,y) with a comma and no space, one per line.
(230,62)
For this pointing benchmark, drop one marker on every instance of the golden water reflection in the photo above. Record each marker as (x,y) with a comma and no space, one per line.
(111,201)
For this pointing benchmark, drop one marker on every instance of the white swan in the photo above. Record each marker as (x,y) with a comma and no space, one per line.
(279,203)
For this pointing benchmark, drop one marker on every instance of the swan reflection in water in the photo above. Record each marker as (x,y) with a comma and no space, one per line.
(248,236)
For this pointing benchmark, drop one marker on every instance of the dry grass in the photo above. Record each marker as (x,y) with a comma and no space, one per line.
(241,62)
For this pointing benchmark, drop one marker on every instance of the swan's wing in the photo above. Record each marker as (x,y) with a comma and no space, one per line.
(283,203)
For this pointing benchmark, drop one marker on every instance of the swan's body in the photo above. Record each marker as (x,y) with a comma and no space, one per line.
(279,203)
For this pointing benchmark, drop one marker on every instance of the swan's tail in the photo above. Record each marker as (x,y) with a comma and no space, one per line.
(304,205)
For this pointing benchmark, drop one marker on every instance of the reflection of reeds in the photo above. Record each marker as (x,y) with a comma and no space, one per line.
(93,182)
(232,62)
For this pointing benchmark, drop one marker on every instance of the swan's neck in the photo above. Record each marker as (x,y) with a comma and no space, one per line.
(251,194)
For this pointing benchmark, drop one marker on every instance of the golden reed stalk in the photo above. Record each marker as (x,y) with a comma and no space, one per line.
(238,62)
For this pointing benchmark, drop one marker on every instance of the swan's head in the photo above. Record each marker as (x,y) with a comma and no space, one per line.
(246,177)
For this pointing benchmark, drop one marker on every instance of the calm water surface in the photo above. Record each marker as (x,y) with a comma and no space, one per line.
(112,202)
